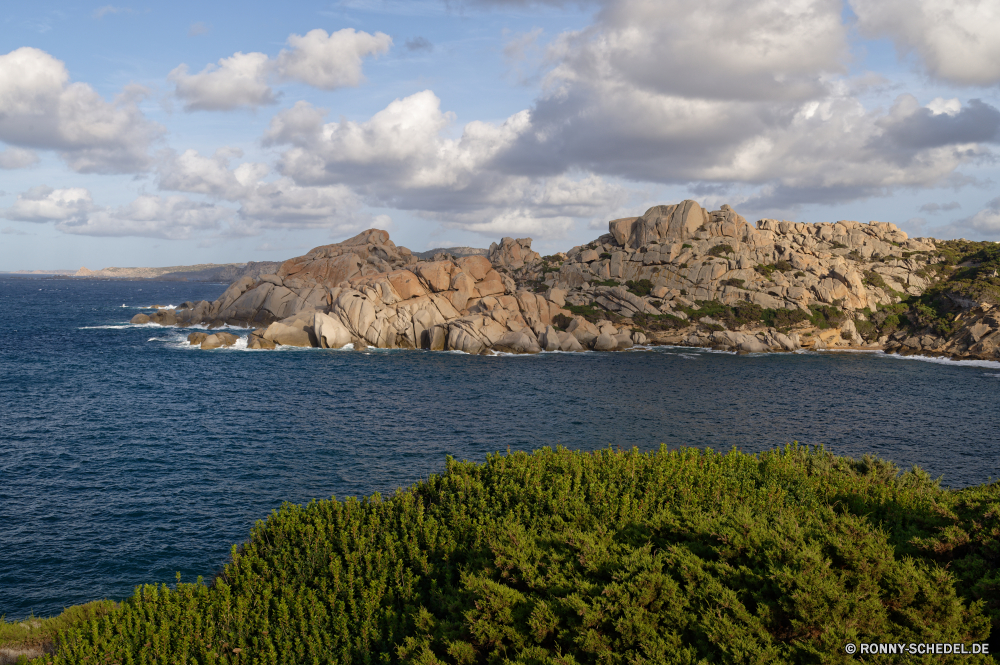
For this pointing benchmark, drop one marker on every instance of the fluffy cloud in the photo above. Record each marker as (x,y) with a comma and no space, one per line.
(734,95)
(713,49)
(240,80)
(274,204)
(954,39)
(17,158)
(330,61)
(40,108)
(74,211)
(170,217)
(986,221)
(194,173)
(326,61)
(45,204)
(401,157)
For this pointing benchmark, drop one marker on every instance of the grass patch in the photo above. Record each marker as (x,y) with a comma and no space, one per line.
(42,634)
(680,556)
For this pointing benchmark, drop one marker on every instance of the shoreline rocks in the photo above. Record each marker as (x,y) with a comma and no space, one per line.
(650,279)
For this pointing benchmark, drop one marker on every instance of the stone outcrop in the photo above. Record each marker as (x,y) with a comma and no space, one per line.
(366,291)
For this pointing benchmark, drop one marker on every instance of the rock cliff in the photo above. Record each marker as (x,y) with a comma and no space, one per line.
(678,274)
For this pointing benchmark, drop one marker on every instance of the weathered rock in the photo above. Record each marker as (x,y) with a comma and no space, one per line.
(605,342)
(549,340)
(218,340)
(330,332)
(196,338)
(256,341)
(294,331)
(520,341)
(139,319)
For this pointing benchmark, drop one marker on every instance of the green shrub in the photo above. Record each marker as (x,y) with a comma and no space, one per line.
(685,246)
(838,245)
(641,288)
(782,265)
(875,280)
(607,557)
(826,316)
(605,255)
(783,319)
(800,274)
(867,330)
(561,322)
(720,250)
(765,270)
(769,269)
(733,281)
(592,312)
(658,321)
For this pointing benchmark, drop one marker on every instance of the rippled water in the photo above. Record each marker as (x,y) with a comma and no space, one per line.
(126,456)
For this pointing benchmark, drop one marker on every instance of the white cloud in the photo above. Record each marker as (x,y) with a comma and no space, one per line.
(326,61)
(330,61)
(74,211)
(986,221)
(956,40)
(263,205)
(45,204)
(725,94)
(712,49)
(171,217)
(40,108)
(17,158)
(401,157)
(240,80)
(101,12)
(194,173)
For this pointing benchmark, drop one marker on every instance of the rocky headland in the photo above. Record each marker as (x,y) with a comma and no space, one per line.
(679,274)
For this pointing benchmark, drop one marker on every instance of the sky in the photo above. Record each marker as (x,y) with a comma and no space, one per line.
(182,133)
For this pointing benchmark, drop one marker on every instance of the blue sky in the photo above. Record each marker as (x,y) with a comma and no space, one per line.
(153,134)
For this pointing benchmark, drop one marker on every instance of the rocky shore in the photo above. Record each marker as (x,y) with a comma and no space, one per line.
(679,274)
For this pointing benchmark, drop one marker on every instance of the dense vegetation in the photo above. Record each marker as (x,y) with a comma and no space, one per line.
(960,270)
(607,557)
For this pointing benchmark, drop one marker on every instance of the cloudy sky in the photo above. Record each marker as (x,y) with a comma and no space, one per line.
(165,134)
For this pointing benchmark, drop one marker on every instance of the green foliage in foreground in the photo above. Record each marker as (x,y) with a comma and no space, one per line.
(606,557)
(39,634)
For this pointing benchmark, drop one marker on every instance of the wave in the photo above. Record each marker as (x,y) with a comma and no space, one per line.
(991,364)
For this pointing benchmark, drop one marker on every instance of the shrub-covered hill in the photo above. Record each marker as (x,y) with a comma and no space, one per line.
(606,557)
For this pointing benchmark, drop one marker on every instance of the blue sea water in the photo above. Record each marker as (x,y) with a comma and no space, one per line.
(127,456)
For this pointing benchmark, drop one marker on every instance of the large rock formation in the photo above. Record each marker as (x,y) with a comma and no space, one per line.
(648,279)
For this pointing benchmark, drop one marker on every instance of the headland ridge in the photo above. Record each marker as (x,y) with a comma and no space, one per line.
(679,274)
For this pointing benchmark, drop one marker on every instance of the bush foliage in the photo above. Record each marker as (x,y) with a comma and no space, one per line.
(606,557)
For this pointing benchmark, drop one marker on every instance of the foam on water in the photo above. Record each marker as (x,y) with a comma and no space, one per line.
(992,364)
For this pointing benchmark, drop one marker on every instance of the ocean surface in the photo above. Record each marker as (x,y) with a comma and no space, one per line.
(127,456)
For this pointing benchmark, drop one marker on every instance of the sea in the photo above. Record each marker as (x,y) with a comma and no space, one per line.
(128,456)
